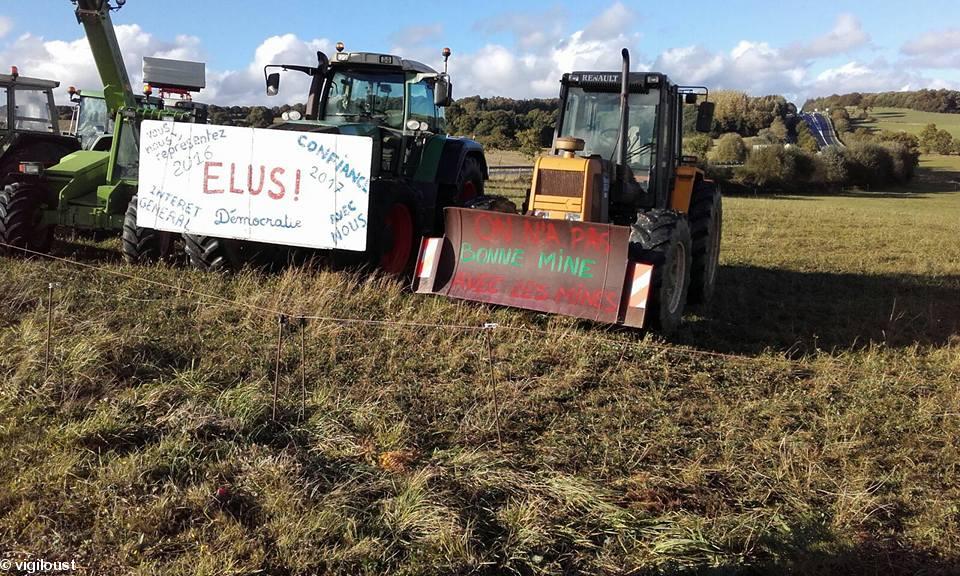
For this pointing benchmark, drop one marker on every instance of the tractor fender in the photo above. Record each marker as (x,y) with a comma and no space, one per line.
(455,152)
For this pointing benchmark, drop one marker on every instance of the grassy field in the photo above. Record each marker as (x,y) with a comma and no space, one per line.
(911,121)
(807,423)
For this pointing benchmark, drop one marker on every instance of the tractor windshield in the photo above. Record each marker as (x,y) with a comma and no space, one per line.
(362,96)
(594,117)
(93,120)
(33,111)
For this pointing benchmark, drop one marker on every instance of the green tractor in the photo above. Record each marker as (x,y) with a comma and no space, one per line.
(92,189)
(29,130)
(416,170)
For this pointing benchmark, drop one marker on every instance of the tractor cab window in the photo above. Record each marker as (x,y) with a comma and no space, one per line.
(359,96)
(594,117)
(33,111)
(93,121)
(422,107)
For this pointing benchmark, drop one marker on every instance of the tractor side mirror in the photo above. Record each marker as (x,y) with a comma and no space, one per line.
(705,117)
(443,92)
(546,137)
(273,84)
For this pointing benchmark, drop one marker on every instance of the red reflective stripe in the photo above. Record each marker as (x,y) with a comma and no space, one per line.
(429,260)
(640,285)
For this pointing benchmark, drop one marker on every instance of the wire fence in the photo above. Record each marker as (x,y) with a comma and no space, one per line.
(485,332)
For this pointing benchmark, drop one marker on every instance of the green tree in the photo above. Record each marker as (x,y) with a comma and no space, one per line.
(730,149)
(698,145)
(833,164)
(943,142)
(529,141)
(779,129)
(928,138)
(764,165)
(259,117)
(805,139)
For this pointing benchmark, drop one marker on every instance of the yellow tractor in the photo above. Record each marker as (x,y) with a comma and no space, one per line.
(618,226)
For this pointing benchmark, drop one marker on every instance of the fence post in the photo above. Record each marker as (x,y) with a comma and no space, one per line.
(488,329)
(281,322)
(46,362)
(303,367)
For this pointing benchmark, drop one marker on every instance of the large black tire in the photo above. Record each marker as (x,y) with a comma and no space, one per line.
(469,181)
(662,238)
(20,214)
(706,223)
(142,245)
(213,254)
(394,239)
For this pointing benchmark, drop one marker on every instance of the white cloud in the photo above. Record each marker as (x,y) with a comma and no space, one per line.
(933,42)
(6,25)
(847,34)
(934,49)
(417,35)
(71,62)
(538,49)
(614,21)
(246,86)
(530,31)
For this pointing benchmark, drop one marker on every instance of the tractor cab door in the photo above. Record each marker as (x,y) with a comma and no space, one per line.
(6,117)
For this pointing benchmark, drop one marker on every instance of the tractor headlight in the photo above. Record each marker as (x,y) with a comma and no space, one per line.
(541,214)
(572,217)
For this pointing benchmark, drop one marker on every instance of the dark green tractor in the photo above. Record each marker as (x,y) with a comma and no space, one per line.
(29,124)
(416,169)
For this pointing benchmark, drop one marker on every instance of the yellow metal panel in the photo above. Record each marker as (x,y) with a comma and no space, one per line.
(683,188)
(587,204)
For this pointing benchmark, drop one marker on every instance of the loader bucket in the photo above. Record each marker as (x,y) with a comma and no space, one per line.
(556,266)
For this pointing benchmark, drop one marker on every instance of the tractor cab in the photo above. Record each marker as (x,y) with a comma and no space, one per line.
(626,133)
(26,106)
(398,102)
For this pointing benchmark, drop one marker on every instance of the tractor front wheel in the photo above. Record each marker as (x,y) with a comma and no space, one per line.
(143,245)
(706,221)
(662,238)
(21,221)
(212,254)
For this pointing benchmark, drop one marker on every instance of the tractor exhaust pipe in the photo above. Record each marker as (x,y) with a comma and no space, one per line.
(624,113)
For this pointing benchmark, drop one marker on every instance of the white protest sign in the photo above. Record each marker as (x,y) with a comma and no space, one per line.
(276,186)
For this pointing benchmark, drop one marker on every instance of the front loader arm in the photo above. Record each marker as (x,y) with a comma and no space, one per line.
(94,15)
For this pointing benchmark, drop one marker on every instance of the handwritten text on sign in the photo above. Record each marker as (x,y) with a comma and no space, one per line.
(571,268)
(276,186)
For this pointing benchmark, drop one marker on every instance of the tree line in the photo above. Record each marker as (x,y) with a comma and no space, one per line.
(943,101)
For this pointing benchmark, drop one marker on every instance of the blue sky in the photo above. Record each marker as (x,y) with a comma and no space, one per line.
(519,49)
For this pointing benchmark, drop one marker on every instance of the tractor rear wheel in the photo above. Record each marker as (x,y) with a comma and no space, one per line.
(706,222)
(142,245)
(397,247)
(469,181)
(20,220)
(662,238)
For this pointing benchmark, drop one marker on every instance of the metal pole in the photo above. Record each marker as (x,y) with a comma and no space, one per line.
(281,320)
(303,367)
(488,328)
(46,363)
